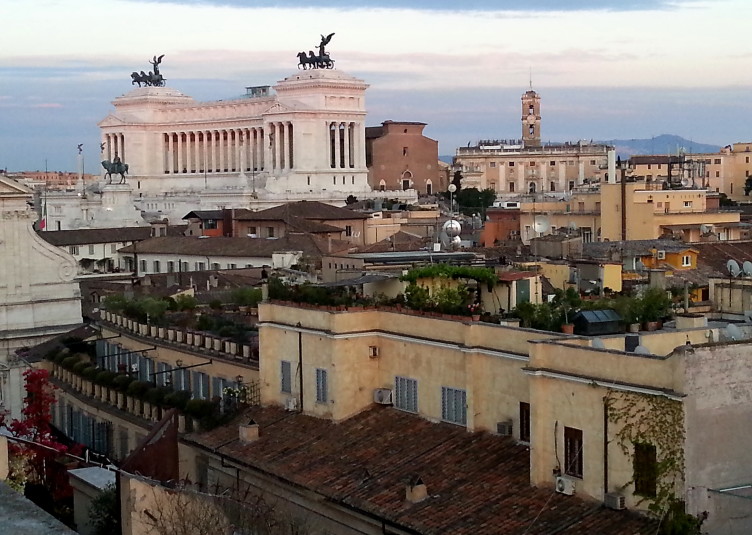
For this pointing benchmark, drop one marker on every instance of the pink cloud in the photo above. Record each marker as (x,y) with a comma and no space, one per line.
(47,105)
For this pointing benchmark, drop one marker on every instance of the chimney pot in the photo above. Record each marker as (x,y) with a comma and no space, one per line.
(415,490)
(249,432)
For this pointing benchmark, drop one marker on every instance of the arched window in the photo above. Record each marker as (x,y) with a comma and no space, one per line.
(531,187)
(429,187)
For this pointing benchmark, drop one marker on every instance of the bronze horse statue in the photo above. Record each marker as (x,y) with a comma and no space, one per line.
(314,62)
(115,168)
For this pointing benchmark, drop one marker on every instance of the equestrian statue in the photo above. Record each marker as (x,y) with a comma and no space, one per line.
(115,167)
(314,61)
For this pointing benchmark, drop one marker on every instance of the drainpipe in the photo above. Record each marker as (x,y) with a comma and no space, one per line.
(300,366)
(605,446)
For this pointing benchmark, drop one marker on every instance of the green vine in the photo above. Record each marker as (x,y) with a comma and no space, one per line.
(479,274)
(657,421)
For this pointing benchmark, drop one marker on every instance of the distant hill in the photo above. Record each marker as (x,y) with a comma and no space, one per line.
(668,144)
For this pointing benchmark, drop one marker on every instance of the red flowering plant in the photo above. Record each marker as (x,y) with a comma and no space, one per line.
(473,309)
(33,461)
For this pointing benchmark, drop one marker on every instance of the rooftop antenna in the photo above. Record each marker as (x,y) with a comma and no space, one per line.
(531,78)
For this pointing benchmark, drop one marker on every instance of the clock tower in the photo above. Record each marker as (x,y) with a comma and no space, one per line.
(531,119)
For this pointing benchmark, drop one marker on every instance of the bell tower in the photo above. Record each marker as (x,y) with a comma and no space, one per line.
(531,119)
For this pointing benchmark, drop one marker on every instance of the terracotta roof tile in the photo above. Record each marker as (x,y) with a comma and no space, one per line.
(477,483)
(316,210)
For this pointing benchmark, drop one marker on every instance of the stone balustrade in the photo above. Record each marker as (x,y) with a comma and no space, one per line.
(198,341)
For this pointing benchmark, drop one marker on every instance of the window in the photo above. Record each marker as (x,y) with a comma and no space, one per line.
(524,422)
(571,185)
(650,166)
(215,266)
(717,174)
(404,151)
(170,266)
(269,232)
(232,266)
(348,230)
(645,468)
(552,186)
(532,164)
(252,230)
(91,249)
(511,186)
(686,261)
(592,162)
(156,266)
(492,164)
(406,394)
(511,164)
(73,249)
(405,184)
(717,161)
(200,385)
(573,452)
(286,377)
(322,395)
(453,405)
(143,266)
(113,248)
(211,224)
(687,204)
(552,163)
(200,266)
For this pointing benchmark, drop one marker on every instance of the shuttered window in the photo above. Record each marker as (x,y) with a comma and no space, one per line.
(454,405)
(406,394)
(322,393)
(286,377)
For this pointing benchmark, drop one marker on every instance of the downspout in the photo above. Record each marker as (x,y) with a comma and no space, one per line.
(300,367)
(623,204)
(605,445)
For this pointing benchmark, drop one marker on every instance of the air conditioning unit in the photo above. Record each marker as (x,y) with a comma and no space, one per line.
(504,428)
(661,255)
(613,500)
(382,396)
(373,352)
(291,404)
(564,485)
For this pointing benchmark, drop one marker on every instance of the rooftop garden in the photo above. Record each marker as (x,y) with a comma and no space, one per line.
(223,319)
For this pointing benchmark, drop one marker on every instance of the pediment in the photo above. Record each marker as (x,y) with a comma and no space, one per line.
(111,120)
(10,186)
(278,108)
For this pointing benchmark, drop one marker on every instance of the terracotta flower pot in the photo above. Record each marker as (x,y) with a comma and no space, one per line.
(567,328)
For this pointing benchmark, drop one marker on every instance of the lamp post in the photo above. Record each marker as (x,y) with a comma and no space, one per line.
(452,188)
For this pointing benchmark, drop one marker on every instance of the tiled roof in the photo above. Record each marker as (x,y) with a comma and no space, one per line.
(236,247)
(400,241)
(632,247)
(304,209)
(61,238)
(477,483)
(713,256)
(204,214)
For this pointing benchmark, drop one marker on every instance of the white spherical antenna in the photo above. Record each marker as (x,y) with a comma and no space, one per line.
(452,228)
(733,268)
(541,224)
(641,350)
(452,188)
(733,332)
(747,268)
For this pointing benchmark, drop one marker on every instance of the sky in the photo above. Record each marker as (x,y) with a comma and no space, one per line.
(606,69)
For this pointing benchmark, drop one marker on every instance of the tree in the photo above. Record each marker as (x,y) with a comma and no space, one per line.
(457,180)
(182,511)
(351,199)
(748,186)
(471,200)
(35,471)
(104,517)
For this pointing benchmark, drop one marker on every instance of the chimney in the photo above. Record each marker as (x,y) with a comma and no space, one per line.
(612,166)
(415,490)
(248,432)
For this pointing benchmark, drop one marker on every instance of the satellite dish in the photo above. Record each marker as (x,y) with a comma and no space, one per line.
(598,343)
(747,268)
(452,228)
(641,350)
(733,332)
(452,188)
(733,268)
(685,182)
(541,224)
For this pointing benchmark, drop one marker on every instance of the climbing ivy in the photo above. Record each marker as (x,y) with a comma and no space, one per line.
(656,420)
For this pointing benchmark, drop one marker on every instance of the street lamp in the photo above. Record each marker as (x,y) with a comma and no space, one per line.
(452,188)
